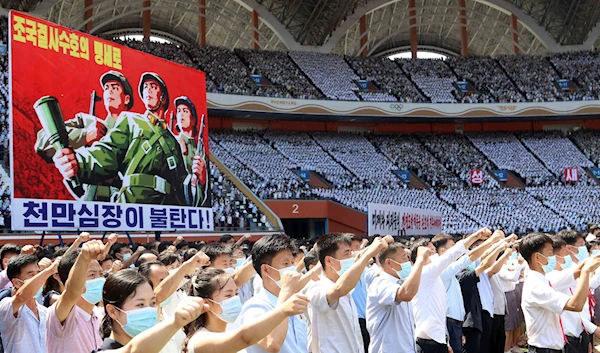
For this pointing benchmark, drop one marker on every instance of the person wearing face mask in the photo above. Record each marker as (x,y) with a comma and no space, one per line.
(577,326)
(73,322)
(21,315)
(359,294)
(430,302)
(166,284)
(129,306)
(214,331)
(334,317)
(272,258)
(389,310)
(542,304)
(455,314)
(219,255)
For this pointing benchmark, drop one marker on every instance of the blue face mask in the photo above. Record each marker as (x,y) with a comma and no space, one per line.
(405,269)
(595,252)
(471,267)
(93,290)
(229,270)
(568,262)
(139,320)
(281,272)
(513,256)
(345,265)
(39,291)
(582,253)
(126,257)
(230,309)
(549,267)
(239,262)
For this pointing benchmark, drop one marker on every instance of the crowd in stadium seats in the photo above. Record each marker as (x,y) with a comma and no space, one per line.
(280,70)
(272,175)
(508,79)
(330,73)
(433,77)
(536,78)
(408,154)
(358,155)
(507,152)
(486,76)
(589,142)
(575,203)
(557,152)
(232,209)
(510,209)
(582,68)
(458,155)
(388,76)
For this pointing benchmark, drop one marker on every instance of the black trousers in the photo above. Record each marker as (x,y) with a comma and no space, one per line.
(498,335)
(472,340)
(578,344)
(430,346)
(486,335)
(532,349)
(365,333)
(455,333)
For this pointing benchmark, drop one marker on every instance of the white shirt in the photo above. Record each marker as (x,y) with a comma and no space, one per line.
(430,302)
(390,324)
(261,304)
(24,333)
(542,306)
(508,277)
(335,326)
(486,295)
(454,297)
(305,291)
(168,311)
(498,296)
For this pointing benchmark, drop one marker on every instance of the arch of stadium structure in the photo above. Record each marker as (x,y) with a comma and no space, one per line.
(229,24)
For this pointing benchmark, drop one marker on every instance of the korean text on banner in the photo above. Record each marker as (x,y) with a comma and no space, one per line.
(387,219)
(103,137)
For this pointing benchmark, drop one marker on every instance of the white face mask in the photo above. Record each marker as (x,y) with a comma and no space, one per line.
(281,272)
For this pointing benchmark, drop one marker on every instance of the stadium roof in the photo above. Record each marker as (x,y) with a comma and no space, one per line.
(333,25)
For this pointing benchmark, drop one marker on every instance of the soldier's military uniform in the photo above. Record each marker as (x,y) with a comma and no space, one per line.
(145,153)
(194,195)
(77,127)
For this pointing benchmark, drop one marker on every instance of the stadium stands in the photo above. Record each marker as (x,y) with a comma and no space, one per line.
(557,152)
(433,77)
(328,72)
(507,152)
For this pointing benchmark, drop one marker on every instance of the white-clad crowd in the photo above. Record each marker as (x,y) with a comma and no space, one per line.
(507,152)
(330,73)
(557,153)
(388,76)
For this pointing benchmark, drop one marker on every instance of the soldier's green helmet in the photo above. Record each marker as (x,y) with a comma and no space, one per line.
(187,102)
(119,77)
(164,98)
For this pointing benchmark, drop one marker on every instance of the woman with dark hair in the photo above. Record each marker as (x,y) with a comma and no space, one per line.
(212,332)
(129,325)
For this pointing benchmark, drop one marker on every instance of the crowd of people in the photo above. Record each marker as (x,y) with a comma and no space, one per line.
(485,292)
(309,75)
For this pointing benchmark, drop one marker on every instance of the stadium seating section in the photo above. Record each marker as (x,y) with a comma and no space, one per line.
(359,168)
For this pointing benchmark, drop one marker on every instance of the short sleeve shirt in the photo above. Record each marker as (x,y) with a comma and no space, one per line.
(24,333)
(80,332)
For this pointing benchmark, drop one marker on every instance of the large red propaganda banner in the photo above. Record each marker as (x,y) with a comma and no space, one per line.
(104,137)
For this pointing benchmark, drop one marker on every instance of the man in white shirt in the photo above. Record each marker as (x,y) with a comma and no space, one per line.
(390,318)
(577,326)
(334,317)
(541,303)
(430,302)
(22,318)
(455,314)
(271,258)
